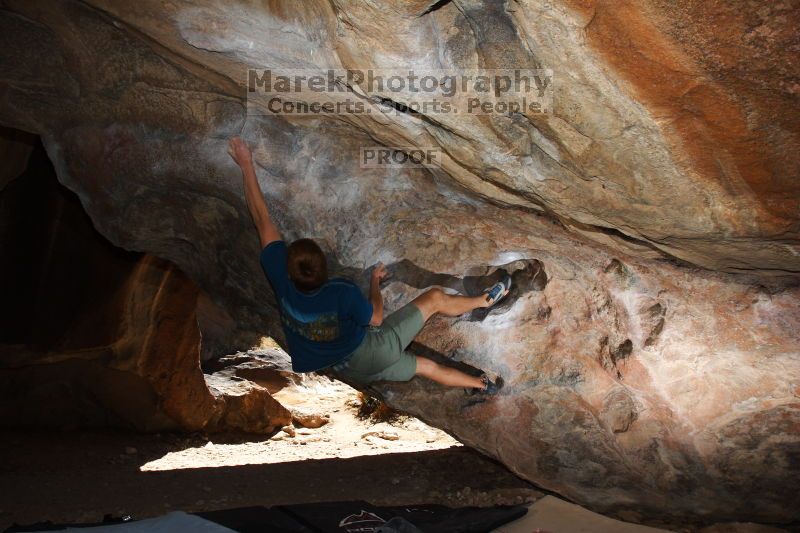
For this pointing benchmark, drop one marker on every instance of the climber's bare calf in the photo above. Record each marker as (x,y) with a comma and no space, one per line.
(445,375)
(436,300)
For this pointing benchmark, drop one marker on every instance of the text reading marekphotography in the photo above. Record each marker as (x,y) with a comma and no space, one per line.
(391,91)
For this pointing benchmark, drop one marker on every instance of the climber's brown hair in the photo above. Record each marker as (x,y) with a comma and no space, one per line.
(307,266)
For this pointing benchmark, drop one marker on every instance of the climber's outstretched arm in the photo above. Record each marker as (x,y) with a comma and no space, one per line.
(267,230)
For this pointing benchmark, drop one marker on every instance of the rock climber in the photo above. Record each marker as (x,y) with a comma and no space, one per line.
(330,324)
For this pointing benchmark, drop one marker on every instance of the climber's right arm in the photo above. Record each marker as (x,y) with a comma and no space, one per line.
(267,230)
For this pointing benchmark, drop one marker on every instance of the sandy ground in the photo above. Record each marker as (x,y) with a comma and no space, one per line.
(81,476)
(345,436)
(74,477)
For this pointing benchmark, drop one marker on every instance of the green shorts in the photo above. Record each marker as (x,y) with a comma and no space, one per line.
(381,355)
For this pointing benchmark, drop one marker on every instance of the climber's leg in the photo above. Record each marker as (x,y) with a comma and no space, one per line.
(447,375)
(437,301)
(382,356)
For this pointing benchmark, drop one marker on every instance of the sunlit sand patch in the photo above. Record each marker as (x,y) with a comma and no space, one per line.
(345,436)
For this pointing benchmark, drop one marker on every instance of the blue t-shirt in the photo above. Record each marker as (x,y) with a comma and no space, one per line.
(322,327)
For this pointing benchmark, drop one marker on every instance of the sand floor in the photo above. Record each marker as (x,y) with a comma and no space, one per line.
(82,476)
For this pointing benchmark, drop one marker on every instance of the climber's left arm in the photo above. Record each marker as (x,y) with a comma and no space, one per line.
(375,297)
(267,230)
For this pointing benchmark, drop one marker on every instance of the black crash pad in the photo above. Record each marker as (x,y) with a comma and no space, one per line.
(340,517)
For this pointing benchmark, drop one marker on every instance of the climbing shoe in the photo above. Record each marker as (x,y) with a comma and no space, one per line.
(491,387)
(497,292)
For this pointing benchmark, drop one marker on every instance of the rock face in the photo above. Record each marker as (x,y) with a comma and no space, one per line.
(651,220)
(95,336)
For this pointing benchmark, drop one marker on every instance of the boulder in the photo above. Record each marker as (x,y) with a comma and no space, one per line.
(650,218)
(94,336)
